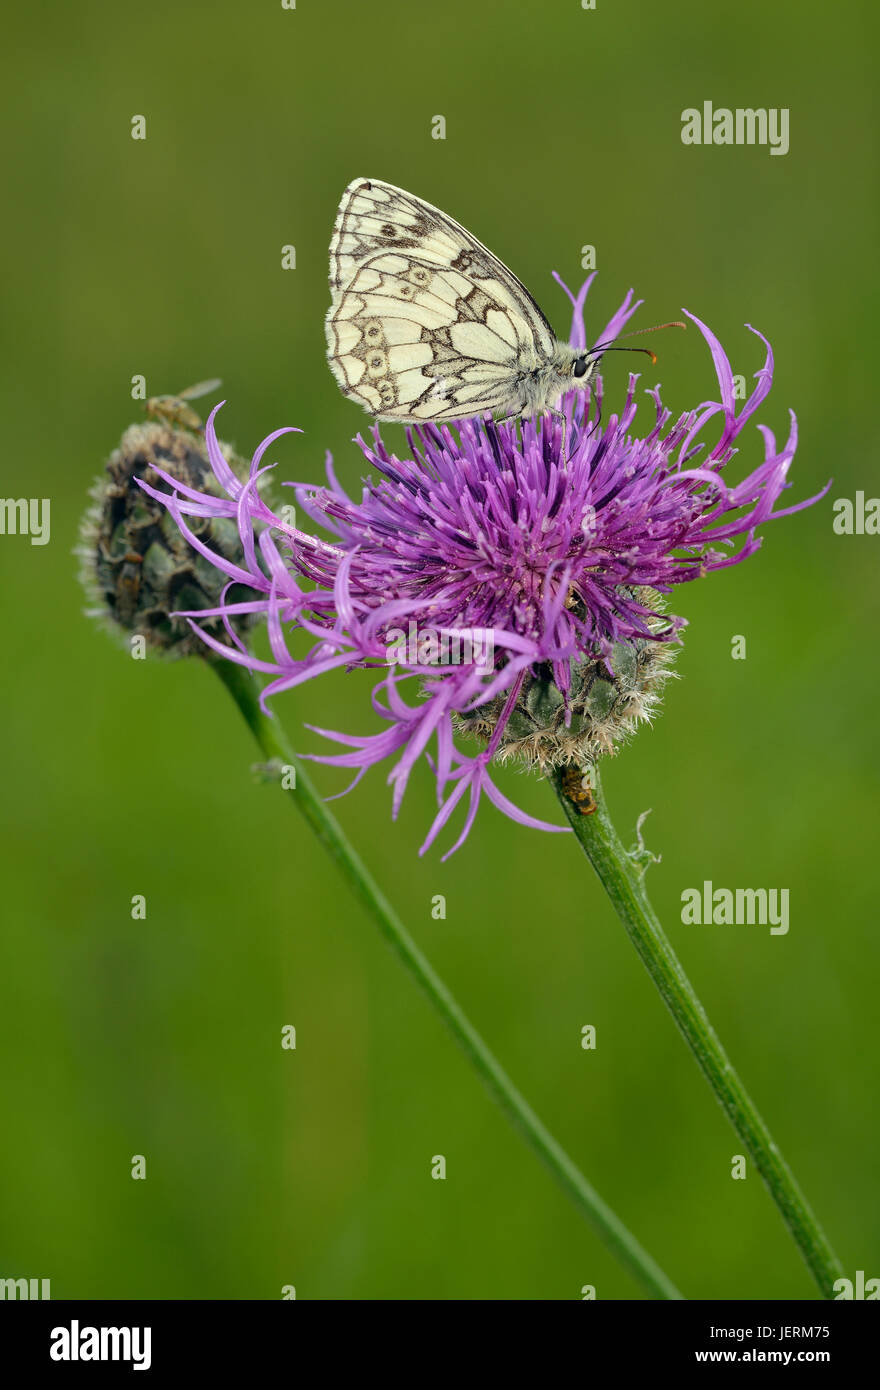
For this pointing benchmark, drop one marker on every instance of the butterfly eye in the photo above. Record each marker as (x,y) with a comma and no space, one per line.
(580,367)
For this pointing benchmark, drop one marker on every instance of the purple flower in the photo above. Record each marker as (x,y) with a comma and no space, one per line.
(493,536)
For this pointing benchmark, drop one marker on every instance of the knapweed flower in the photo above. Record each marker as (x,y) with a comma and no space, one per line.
(545,551)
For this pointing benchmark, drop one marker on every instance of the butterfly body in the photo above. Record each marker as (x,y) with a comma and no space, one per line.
(540,384)
(427,324)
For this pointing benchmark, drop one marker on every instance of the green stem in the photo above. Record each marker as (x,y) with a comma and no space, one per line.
(621,875)
(242,686)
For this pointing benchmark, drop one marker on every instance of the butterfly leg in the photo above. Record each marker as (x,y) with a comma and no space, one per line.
(516,419)
(560,416)
(508,419)
(555,414)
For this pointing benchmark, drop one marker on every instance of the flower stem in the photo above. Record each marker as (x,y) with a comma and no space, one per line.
(622,877)
(243,689)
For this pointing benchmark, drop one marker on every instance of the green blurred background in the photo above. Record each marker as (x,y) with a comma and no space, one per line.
(162,1037)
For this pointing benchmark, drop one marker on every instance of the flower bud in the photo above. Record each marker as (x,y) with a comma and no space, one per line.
(136,566)
(605,709)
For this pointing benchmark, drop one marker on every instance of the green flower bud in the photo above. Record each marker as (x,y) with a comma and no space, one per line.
(605,709)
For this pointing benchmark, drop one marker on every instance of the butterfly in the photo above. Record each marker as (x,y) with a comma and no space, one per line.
(426,324)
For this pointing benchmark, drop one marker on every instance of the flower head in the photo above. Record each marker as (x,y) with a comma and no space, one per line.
(539,550)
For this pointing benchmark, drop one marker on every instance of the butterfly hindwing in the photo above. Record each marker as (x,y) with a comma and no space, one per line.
(425,322)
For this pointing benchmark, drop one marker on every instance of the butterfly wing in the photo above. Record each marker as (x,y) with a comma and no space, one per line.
(425,323)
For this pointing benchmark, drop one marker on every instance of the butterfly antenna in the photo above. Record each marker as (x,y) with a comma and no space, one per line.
(610,346)
(600,351)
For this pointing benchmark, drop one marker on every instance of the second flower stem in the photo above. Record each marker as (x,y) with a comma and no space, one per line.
(270,737)
(622,876)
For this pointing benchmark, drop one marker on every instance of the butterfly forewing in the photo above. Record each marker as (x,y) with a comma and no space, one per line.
(425,323)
